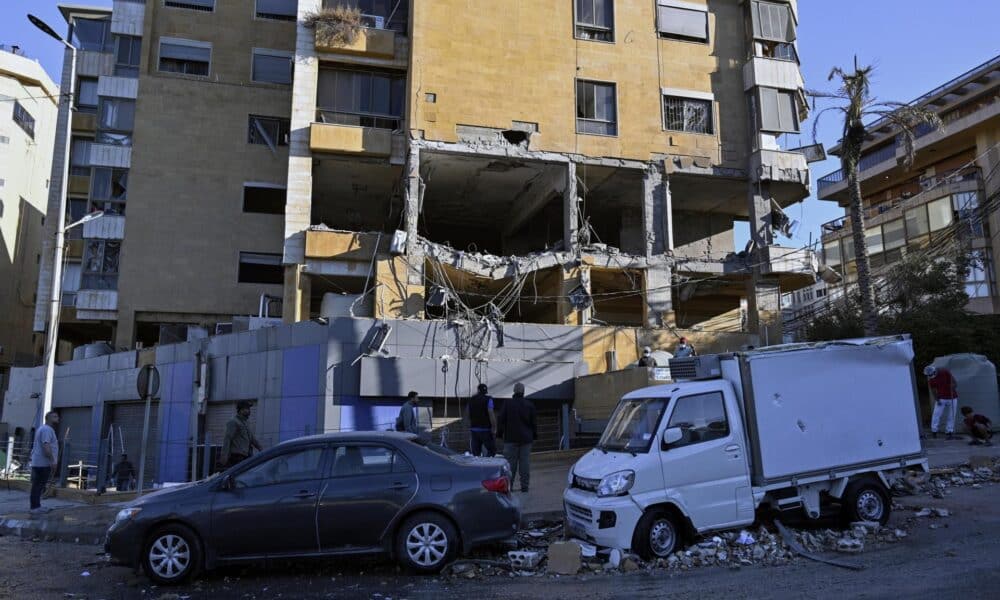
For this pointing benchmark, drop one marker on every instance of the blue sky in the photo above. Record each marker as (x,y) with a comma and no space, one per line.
(915,44)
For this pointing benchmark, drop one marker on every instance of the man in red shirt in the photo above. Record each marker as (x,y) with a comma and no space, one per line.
(979,427)
(942,383)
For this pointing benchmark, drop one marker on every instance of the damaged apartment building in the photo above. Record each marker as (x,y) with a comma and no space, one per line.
(579,162)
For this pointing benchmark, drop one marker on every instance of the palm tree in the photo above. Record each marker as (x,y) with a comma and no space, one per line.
(854,99)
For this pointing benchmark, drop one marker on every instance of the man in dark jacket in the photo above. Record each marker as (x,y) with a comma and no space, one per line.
(482,423)
(239,441)
(519,429)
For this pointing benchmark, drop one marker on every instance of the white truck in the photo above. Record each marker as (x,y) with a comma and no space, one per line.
(803,426)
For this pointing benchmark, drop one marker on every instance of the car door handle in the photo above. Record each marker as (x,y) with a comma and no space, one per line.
(732,447)
(305,494)
(399,486)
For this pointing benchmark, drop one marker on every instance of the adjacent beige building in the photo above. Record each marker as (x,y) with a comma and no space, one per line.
(28,108)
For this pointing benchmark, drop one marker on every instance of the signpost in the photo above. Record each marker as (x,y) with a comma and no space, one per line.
(147,384)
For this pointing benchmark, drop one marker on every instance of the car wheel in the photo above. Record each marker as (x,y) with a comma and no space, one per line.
(426,542)
(865,500)
(656,536)
(172,554)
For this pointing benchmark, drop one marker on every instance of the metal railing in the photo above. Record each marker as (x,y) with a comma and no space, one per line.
(358,119)
(867,161)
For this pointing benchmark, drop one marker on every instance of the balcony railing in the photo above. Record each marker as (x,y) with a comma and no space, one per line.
(867,161)
(357,119)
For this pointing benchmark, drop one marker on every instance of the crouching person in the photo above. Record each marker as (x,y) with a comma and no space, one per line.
(978,426)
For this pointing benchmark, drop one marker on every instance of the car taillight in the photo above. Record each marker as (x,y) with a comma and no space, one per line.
(500,485)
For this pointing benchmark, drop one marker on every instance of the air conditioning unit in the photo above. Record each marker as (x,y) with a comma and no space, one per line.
(695,367)
(373,21)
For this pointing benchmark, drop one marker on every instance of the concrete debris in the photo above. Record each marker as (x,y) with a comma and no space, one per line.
(629,564)
(564,558)
(924,512)
(942,512)
(524,559)
(981,470)
(850,545)
(615,558)
(586,550)
(745,539)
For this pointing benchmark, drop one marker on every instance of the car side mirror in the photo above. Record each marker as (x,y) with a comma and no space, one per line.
(672,436)
(228,484)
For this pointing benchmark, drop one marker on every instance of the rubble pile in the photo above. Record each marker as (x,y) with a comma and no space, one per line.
(979,472)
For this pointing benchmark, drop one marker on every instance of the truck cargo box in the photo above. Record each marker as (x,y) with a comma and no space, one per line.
(820,408)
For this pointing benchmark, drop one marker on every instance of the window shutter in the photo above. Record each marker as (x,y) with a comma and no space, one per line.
(770,119)
(682,22)
(184,52)
(786,112)
(772,22)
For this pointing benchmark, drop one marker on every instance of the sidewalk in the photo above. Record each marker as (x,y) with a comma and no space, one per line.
(86,523)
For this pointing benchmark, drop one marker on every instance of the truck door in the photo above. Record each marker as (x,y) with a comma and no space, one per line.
(706,470)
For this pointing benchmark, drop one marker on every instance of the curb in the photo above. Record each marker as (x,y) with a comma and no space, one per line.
(52,530)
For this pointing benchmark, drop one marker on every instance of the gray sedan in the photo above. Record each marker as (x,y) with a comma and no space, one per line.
(325,495)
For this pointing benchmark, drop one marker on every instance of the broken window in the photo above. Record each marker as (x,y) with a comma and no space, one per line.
(116,118)
(681,21)
(203,5)
(108,190)
(595,20)
(268,131)
(361,98)
(278,10)
(981,280)
(92,34)
(260,268)
(778,110)
(687,114)
(127,54)
(772,21)
(596,108)
(100,265)
(272,66)
(24,119)
(185,56)
(966,206)
(264,199)
(86,95)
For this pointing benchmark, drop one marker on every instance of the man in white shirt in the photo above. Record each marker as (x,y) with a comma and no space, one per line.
(44,457)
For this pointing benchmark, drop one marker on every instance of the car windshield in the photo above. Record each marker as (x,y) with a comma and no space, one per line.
(632,426)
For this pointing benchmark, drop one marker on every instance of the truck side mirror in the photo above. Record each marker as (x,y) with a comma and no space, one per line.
(672,436)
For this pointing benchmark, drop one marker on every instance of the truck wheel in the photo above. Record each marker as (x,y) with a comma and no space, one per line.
(866,500)
(172,555)
(657,535)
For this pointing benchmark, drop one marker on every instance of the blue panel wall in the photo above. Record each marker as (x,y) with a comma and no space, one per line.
(176,388)
(300,392)
(368,414)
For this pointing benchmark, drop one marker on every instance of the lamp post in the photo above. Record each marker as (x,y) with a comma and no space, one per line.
(52,334)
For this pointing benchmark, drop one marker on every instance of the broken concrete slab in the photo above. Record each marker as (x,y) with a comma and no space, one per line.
(564,558)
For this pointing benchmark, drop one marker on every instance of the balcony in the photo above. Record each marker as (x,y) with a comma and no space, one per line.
(773,73)
(97,300)
(375,43)
(341,245)
(788,171)
(108,227)
(795,267)
(350,139)
(84,121)
(872,159)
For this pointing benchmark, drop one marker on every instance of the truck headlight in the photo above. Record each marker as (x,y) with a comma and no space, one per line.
(126,514)
(616,484)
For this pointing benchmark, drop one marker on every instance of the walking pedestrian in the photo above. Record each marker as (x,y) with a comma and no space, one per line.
(519,429)
(414,416)
(979,427)
(683,349)
(945,389)
(482,423)
(123,474)
(647,359)
(44,457)
(238,440)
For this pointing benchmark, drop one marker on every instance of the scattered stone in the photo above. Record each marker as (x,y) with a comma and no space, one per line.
(524,559)
(934,526)
(615,559)
(942,512)
(899,533)
(850,545)
(924,512)
(564,558)
(980,461)
(629,564)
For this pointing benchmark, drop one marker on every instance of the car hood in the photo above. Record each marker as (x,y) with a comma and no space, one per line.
(170,494)
(596,464)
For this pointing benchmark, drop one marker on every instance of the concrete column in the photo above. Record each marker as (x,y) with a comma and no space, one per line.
(412,196)
(764,309)
(658,296)
(125,329)
(571,211)
(295,305)
(655,215)
(759,209)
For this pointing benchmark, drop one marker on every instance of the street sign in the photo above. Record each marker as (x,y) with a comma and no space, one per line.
(148,381)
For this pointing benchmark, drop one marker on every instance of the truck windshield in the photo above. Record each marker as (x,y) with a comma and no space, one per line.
(633,425)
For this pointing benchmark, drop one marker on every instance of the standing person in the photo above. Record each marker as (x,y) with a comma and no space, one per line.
(980,427)
(647,359)
(414,417)
(239,439)
(942,383)
(518,428)
(44,457)
(123,474)
(482,423)
(683,349)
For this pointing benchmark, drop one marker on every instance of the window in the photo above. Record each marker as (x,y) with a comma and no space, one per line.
(93,35)
(79,157)
(682,21)
(268,131)
(361,98)
(70,282)
(772,21)
(263,198)
(595,20)
(873,239)
(893,235)
(779,50)
(939,213)
(86,95)
(279,10)
(778,110)
(127,54)
(916,222)
(185,56)
(109,190)
(350,461)
(116,119)
(300,465)
(980,281)
(831,253)
(100,265)
(966,206)
(24,119)
(702,418)
(203,5)
(687,114)
(76,208)
(260,268)
(272,66)
(596,108)
(821,293)
(847,249)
